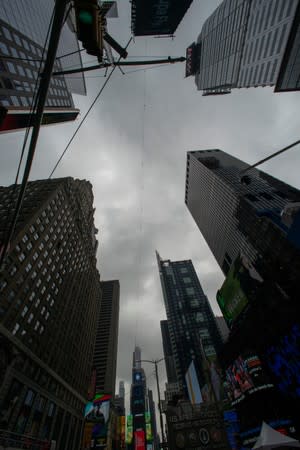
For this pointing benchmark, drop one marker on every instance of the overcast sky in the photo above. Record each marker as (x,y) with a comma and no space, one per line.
(133,150)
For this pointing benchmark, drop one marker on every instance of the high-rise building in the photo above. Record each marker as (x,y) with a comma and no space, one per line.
(106,347)
(23,30)
(168,353)
(233,210)
(49,302)
(136,358)
(251,222)
(151,409)
(120,399)
(248,44)
(191,323)
(223,328)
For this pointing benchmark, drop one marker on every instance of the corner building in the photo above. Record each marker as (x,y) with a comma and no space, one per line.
(49,302)
(191,322)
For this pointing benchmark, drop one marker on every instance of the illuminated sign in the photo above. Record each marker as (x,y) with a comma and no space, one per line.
(157,17)
(244,377)
(139,440)
(193,385)
(191,59)
(241,280)
(97,414)
(283,360)
(129,429)
(149,436)
(147,417)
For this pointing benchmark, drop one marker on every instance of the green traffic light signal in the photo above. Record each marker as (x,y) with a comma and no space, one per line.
(86,17)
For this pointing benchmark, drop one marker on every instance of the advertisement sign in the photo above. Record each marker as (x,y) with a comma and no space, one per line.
(147,417)
(122,430)
(201,428)
(149,436)
(157,17)
(242,280)
(283,361)
(139,440)
(129,429)
(193,385)
(18,120)
(97,414)
(191,60)
(245,377)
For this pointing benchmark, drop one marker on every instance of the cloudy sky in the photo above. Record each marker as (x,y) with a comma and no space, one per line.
(133,149)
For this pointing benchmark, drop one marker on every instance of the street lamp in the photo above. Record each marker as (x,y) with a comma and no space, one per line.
(156,362)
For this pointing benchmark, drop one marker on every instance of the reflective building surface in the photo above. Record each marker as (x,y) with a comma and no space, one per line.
(246,44)
(192,327)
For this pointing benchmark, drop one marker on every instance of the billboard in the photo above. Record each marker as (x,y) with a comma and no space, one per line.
(191,59)
(97,414)
(149,435)
(157,17)
(244,377)
(193,385)
(201,428)
(242,280)
(283,361)
(139,440)
(129,429)
(16,120)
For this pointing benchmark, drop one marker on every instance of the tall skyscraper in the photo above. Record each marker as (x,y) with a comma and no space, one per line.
(23,30)
(168,352)
(233,212)
(136,358)
(191,322)
(106,347)
(248,44)
(49,302)
(251,222)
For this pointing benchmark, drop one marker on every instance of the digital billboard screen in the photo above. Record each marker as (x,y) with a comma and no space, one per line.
(283,361)
(139,440)
(242,281)
(193,385)
(97,414)
(244,377)
(157,17)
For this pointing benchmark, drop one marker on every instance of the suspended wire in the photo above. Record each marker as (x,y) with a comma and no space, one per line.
(270,157)
(139,256)
(90,77)
(86,114)
(9,223)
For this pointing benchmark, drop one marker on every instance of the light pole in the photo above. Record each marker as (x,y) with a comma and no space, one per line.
(156,362)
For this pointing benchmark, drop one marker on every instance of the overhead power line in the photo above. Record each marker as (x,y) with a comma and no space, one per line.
(86,114)
(270,157)
(60,6)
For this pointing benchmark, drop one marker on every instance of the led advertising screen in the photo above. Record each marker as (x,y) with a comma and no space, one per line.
(147,417)
(283,361)
(245,376)
(129,429)
(242,280)
(139,440)
(193,385)
(157,17)
(97,415)
(149,436)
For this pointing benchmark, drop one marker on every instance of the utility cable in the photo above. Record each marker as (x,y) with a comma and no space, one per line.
(58,18)
(86,114)
(270,157)
(29,121)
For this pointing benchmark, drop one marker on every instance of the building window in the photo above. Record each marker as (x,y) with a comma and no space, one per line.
(190,291)
(16,328)
(31,316)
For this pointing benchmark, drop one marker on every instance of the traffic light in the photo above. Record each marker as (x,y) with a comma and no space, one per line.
(89,27)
